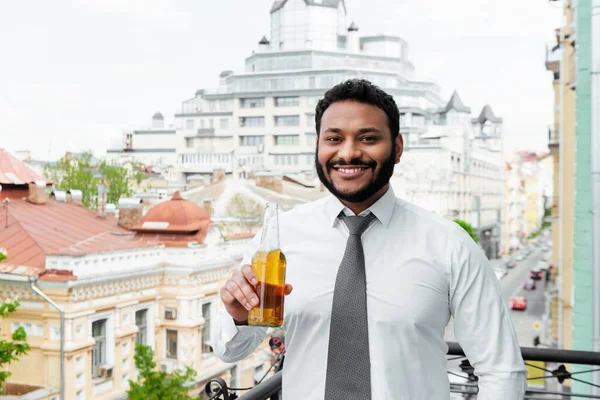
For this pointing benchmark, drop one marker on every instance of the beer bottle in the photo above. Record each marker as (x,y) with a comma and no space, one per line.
(269,266)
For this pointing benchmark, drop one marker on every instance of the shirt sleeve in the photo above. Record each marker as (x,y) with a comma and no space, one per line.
(482,324)
(234,343)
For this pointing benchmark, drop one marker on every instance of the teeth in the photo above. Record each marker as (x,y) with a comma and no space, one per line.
(350,170)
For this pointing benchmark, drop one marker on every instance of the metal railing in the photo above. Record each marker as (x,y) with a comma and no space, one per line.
(270,389)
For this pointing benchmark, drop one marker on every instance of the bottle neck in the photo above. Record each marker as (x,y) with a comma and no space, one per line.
(270,233)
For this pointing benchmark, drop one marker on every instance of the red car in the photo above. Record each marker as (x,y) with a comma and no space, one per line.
(536,274)
(518,303)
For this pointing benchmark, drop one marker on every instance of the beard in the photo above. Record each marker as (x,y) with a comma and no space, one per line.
(364,193)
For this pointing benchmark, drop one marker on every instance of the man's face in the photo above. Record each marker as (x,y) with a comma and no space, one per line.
(355,154)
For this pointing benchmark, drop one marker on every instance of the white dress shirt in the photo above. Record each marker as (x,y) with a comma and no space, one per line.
(420,269)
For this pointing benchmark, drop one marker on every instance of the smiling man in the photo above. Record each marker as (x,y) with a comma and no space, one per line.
(375,279)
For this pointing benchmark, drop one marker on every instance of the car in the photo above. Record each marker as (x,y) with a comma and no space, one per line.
(520,257)
(518,303)
(510,263)
(529,285)
(536,274)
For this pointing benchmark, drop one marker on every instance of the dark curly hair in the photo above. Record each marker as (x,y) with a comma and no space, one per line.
(362,91)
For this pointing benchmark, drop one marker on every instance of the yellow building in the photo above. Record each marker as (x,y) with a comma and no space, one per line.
(560,59)
(120,281)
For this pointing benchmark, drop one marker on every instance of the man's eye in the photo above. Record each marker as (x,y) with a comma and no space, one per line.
(369,139)
(332,139)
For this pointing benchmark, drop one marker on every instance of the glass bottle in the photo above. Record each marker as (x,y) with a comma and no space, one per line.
(269,265)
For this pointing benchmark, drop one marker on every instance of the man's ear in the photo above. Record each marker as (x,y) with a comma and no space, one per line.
(399,143)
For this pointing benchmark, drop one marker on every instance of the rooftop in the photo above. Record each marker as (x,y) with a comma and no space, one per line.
(15,172)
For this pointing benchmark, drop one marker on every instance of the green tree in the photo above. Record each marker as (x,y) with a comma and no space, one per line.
(3,254)
(77,172)
(158,385)
(248,211)
(468,228)
(82,173)
(11,350)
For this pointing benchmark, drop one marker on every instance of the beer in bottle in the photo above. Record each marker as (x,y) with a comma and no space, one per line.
(269,266)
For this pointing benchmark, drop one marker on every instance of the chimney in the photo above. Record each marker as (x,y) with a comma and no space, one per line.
(353,44)
(101,198)
(130,212)
(59,195)
(158,121)
(75,196)
(207,204)
(37,192)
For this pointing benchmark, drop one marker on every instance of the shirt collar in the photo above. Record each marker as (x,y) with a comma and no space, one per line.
(382,208)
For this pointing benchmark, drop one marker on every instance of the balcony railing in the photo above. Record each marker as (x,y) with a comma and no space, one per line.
(271,388)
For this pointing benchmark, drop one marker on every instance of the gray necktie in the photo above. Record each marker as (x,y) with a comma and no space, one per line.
(348,361)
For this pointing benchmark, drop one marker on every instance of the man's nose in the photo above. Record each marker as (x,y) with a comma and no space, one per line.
(349,151)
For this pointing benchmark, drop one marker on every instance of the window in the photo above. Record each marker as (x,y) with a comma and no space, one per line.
(189,142)
(287,120)
(189,124)
(252,103)
(312,101)
(311,82)
(224,105)
(99,350)
(310,120)
(206,314)
(252,122)
(212,105)
(310,159)
(287,140)
(252,140)
(141,322)
(224,123)
(286,159)
(211,123)
(287,101)
(311,139)
(171,344)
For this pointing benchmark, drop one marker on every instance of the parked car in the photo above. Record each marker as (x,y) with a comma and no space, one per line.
(536,274)
(520,257)
(529,285)
(518,303)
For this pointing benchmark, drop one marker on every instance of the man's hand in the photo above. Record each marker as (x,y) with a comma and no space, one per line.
(239,294)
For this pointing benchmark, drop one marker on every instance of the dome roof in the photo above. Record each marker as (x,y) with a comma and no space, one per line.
(175,215)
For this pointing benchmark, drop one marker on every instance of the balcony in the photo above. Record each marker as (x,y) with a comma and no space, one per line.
(553,137)
(205,132)
(553,57)
(271,387)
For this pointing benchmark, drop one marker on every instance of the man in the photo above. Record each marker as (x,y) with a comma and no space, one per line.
(375,279)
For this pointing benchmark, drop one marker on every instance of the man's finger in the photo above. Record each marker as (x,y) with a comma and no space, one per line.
(236,291)
(249,274)
(246,288)
(288,289)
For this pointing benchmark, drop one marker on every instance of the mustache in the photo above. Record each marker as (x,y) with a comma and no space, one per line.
(344,163)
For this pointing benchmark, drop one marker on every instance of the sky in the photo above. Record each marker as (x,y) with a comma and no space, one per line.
(76,73)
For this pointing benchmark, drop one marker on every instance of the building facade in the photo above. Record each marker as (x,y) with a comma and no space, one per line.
(262,119)
(456,169)
(560,60)
(151,279)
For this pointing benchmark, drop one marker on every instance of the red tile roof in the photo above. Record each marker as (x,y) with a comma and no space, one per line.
(35,231)
(15,172)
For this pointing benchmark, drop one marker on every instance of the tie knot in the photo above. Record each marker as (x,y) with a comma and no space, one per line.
(356,224)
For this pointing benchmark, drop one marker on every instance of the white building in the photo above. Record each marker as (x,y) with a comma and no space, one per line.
(154,146)
(456,169)
(263,117)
